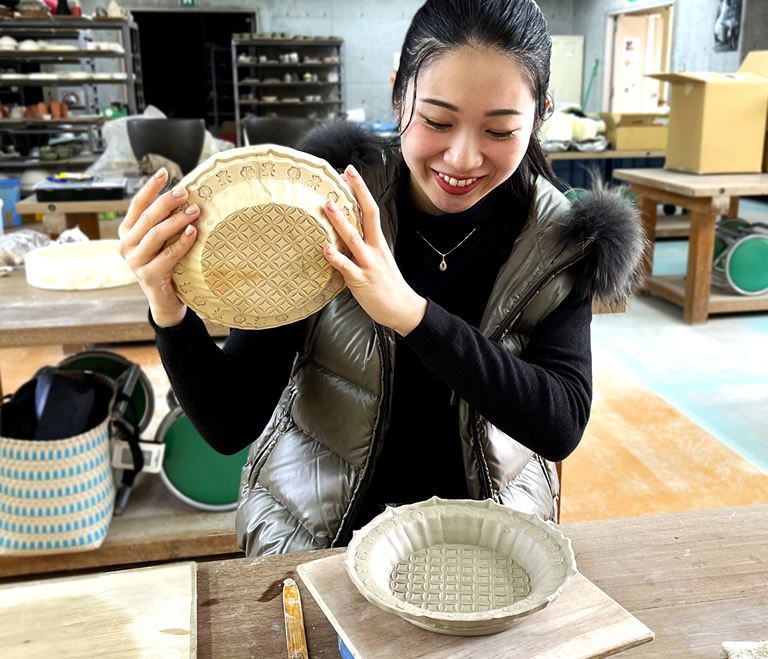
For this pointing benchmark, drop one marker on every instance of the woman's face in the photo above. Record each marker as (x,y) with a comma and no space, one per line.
(472,121)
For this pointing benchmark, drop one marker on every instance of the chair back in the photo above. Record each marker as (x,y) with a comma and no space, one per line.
(180,140)
(285,131)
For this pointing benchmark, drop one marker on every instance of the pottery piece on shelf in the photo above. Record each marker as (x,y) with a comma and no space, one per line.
(460,567)
(258,258)
(33,9)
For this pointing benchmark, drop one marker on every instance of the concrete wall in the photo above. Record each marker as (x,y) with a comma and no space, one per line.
(754,27)
(373,31)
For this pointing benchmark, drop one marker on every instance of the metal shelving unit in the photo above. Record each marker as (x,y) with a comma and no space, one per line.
(87,79)
(263,85)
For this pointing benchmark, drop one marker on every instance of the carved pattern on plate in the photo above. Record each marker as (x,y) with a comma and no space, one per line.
(266,260)
(268,168)
(229,186)
(248,172)
(294,173)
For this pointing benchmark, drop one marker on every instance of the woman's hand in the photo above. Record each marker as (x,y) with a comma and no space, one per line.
(149,223)
(371,273)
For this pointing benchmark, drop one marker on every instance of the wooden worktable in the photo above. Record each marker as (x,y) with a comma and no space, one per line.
(36,317)
(61,215)
(706,197)
(695,578)
(155,527)
(603,155)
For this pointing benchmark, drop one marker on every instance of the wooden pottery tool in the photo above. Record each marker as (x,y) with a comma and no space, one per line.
(294,621)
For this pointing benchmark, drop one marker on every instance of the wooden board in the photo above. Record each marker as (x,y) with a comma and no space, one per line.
(146,612)
(156,526)
(32,205)
(583,623)
(33,316)
(696,185)
(672,288)
(603,155)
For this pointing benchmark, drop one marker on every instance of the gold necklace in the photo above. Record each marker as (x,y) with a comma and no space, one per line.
(443,264)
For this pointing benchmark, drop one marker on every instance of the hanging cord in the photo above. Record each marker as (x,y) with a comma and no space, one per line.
(130,433)
(127,381)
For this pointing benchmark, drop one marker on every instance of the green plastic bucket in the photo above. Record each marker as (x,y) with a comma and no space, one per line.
(113,366)
(194,472)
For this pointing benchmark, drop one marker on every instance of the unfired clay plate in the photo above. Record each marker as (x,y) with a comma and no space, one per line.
(460,567)
(258,259)
(78,266)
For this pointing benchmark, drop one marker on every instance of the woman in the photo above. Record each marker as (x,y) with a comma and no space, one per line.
(457,362)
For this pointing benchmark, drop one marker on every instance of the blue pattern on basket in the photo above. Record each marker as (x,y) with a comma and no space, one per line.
(29,525)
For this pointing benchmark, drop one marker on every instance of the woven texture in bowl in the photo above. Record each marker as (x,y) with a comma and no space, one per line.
(460,567)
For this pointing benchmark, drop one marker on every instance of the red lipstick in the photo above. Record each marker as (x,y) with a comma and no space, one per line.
(453,189)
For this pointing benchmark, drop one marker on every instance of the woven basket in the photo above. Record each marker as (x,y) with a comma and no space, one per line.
(56,496)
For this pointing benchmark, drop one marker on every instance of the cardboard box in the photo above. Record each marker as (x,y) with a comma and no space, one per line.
(646,131)
(757,62)
(716,122)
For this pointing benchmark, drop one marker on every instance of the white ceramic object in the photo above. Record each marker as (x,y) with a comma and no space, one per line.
(459,567)
(78,266)
(257,261)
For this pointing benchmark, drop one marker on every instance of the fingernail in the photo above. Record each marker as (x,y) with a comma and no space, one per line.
(189,230)
(332,206)
(160,173)
(179,192)
(351,171)
(191,210)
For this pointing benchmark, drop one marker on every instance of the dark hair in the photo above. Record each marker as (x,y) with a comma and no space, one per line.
(516,28)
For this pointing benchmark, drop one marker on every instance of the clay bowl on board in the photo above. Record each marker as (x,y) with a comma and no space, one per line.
(460,567)
(258,259)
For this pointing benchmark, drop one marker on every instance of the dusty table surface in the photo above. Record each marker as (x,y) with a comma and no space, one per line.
(695,578)
(696,185)
(34,316)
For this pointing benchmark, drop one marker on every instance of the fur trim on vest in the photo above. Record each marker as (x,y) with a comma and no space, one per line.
(604,223)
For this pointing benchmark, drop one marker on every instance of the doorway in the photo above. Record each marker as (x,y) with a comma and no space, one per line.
(187,61)
(638,43)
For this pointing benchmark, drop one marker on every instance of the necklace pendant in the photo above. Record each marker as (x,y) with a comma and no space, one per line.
(443,265)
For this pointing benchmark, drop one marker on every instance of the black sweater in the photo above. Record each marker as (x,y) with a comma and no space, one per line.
(542,399)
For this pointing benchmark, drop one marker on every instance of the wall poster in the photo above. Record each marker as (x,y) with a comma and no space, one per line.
(727,25)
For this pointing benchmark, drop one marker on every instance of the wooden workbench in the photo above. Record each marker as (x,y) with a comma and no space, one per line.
(706,197)
(61,215)
(603,155)
(155,526)
(36,317)
(695,578)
